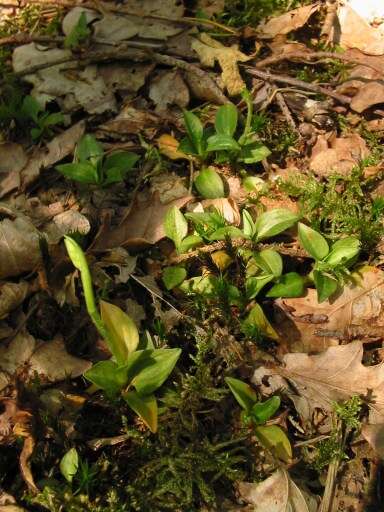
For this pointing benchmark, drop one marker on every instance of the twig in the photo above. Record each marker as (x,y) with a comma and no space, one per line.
(265,75)
(155,294)
(329,19)
(285,110)
(238,242)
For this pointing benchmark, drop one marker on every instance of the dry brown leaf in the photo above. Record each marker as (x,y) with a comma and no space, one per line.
(278,493)
(125,78)
(355,32)
(210,6)
(25,468)
(334,375)
(168,146)
(131,120)
(357,310)
(338,154)
(11,296)
(168,88)
(226,206)
(204,87)
(169,186)
(12,160)
(19,246)
(369,94)
(374,434)
(210,51)
(143,226)
(291,20)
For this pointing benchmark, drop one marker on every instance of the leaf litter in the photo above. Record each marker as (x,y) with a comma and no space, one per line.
(154,99)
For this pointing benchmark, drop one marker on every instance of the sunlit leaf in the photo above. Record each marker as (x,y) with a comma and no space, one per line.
(175,225)
(107,376)
(325,285)
(275,439)
(273,222)
(144,406)
(263,411)
(343,252)
(219,142)
(173,276)
(243,392)
(253,285)
(289,285)
(313,242)
(269,261)
(209,184)
(257,318)
(156,370)
(69,464)
(226,119)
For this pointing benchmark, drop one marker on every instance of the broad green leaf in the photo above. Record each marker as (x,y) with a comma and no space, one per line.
(175,225)
(263,411)
(123,160)
(84,172)
(253,285)
(31,108)
(275,439)
(123,333)
(313,242)
(226,232)
(89,149)
(249,228)
(273,222)
(257,319)
(79,32)
(144,406)
(243,392)
(269,261)
(69,464)
(190,242)
(325,285)
(234,296)
(157,369)
(289,285)
(204,285)
(186,146)
(108,376)
(52,119)
(173,276)
(36,133)
(195,131)
(226,120)
(220,142)
(343,252)
(254,153)
(209,184)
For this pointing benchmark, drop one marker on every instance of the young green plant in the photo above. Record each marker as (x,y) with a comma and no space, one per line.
(91,165)
(133,373)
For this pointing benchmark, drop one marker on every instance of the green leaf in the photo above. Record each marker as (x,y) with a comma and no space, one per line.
(256,318)
(343,252)
(123,333)
(69,464)
(190,242)
(175,225)
(226,232)
(273,222)
(325,285)
(220,142)
(269,261)
(157,368)
(249,228)
(84,172)
(36,133)
(31,108)
(173,276)
(253,285)
(123,160)
(145,407)
(243,392)
(195,131)
(186,146)
(254,184)
(263,411)
(89,149)
(202,285)
(313,242)
(209,184)
(253,153)
(108,376)
(79,32)
(226,120)
(52,119)
(289,285)
(275,439)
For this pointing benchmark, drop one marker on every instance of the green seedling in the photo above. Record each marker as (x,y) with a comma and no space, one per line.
(222,141)
(255,414)
(91,165)
(131,373)
(331,263)
(268,224)
(78,34)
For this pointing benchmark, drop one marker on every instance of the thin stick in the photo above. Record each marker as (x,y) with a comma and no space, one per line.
(265,75)
(285,110)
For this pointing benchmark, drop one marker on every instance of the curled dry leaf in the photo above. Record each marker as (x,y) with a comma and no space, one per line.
(291,20)
(210,51)
(11,296)
(339,154)
(358,310)
(12,159)
(278,493)
(168,146)
(19,246)
(334,375)
(131,120)
(168,88)
(226,206)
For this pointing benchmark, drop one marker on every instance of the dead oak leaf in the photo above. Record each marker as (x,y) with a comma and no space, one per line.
(334,375)
(291,20)
(168,88)
(210,51)
(368,95)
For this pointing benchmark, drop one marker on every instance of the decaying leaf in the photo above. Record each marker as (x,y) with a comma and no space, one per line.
(291,20)
(210,51)
(11,296)
(358,309)
(334,375)
(278,493)
(211,6)
(168,88)
(168,146)
(169,186)
(226,206)
(368,95)
(143,226)
(125,78)
(339,154)
(12,159)
(204,87)
(131,120)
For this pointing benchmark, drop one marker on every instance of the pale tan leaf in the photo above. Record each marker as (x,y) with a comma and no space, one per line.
(168,146)
(226,206)
(210,51)
(368,95)
(287,22)
(11,296)
(131,120)
(168,88)
(211,6)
